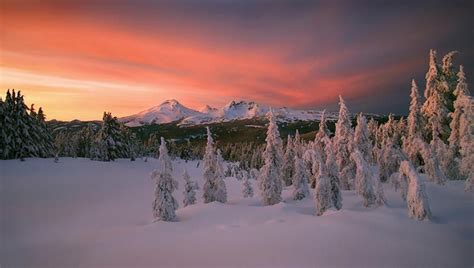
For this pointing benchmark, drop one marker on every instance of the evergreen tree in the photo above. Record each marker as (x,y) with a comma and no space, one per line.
(189,193)
(342,145)
(300,180)
(323,190)
(321,135)
(109,141)
(289,162)
(270,180)
(417,201)
(415,124)
(214,188)
(364,179)
(439,97)
(297,144)
(333,175)
(362,138)
(165,204)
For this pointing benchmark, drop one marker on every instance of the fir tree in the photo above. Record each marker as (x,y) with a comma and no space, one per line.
(300,180)
(362,138)
(417,200)
(109,143)
(342,145)
(323,190)
(321,135)
(165,204)
(190,187)
(289,162)
(270,180)
(332,172)
(415,124)
(214,188)
(364,179)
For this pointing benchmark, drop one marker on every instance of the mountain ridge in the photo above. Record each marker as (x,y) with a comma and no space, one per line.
(173,111)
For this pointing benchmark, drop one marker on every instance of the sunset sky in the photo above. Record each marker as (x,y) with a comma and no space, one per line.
(79,58)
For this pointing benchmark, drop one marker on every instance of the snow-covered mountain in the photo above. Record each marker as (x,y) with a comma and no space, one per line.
(173,111)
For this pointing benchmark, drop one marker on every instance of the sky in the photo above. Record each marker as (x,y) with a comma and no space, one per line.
(77,59)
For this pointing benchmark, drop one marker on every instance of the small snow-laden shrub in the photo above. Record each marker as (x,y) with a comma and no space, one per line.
(247,189)
(417,200)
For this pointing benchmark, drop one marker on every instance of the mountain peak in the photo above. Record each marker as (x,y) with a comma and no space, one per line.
(171,102)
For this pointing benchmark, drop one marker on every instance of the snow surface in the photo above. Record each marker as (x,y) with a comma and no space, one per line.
(82,213)
(172,110)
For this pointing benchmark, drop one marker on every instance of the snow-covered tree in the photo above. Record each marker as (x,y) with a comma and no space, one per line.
(247,189)
(221,190)
(214,188)
(364,179)
(362,138)
(432,166)
(289,162)
(417,200)
(438,98)
(460,123)
(165,204)
(298,144)
(190,187)
(109,142)
(342,145)
(270,180)
(321,135)
(323,194)
(332,173)
(415,125)
(300,180)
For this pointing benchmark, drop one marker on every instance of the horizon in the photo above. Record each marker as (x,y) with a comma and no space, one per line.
(77,59)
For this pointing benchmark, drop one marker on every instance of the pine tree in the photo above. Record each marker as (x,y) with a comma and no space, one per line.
(221,190)
(297,144)
(364,179)
(300,180)
(362,138)
(415,123)
(214,188)
(323,190)
(333,175)
(190,187)
(321,135)
(417,200)
(439,97)
(270,182)
(165,204)
(289,162)
(247,189)
(342,144)
(109,143)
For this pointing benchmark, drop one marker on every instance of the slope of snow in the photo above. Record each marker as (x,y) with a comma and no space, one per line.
(172,110)
(84,213)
